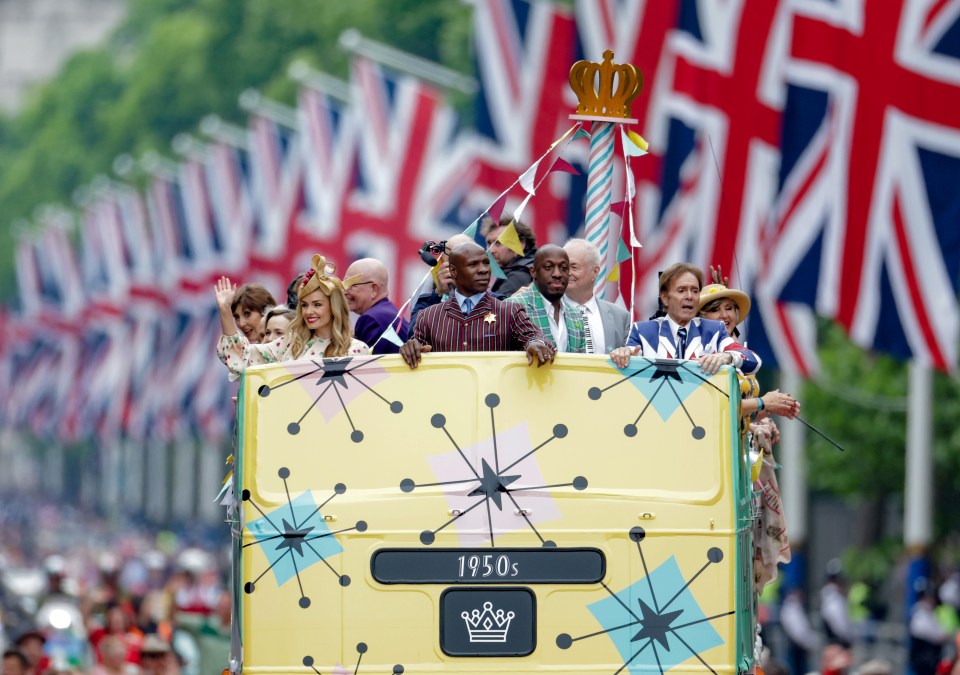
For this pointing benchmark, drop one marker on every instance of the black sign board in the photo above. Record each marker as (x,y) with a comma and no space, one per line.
(485,621)
(488,566)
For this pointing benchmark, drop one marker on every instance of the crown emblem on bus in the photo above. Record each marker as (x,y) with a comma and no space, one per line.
(487,625)
(605,89)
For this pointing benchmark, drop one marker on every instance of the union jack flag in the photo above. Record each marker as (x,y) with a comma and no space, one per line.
(328,131)
(277,187)
(867,205)
(207,241)
(411,174)
(228,180)
(165,218)
(808,148)
(524,53)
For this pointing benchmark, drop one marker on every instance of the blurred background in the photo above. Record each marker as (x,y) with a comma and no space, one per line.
(811,148)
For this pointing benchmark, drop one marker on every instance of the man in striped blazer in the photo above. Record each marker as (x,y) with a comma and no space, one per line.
(681,334)
(558,319)
(473,320)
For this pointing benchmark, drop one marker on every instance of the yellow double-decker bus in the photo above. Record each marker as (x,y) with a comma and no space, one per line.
(478,515)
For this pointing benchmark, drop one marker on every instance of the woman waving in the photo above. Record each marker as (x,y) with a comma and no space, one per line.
(321,327)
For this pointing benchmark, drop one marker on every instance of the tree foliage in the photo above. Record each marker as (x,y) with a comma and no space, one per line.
(860,401)
(171,63)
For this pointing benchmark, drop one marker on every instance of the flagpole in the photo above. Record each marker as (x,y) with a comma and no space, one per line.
(252,101)
(301,73)
(604,93)
(352,41)
(918,488)
(189,147)
(219,130)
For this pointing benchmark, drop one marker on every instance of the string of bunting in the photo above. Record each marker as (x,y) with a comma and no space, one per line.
(530,180)
(604,92)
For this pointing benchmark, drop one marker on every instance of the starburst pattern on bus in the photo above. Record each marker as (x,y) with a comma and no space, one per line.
(308,661)
(494,485)
(649,638)
(336,375)
(675,375)
(298,542)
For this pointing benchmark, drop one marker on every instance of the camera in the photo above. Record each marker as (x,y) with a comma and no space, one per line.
(431,251)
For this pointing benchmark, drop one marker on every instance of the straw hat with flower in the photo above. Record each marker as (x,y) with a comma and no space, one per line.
(714,292)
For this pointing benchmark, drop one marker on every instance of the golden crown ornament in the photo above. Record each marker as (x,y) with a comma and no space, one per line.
(605,90)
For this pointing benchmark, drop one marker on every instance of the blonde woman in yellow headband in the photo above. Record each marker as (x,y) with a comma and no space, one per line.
(321,327)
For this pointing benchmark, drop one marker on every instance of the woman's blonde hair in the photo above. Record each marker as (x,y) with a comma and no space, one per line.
(320,277)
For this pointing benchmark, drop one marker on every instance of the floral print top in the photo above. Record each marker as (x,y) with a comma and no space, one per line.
(237,353)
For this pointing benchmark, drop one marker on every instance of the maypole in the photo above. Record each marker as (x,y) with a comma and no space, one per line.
(604,93)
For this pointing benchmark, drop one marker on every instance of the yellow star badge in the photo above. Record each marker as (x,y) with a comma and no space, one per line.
(490,317)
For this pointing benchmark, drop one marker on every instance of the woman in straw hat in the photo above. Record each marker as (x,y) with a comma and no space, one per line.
(321,327)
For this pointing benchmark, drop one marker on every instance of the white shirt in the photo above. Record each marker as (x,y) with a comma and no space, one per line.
(557,329)
(591,310)
(473,298)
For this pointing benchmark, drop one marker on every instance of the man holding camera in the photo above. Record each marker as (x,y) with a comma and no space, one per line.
(442,284)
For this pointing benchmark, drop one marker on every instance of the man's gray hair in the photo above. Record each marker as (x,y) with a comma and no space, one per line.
(593,253)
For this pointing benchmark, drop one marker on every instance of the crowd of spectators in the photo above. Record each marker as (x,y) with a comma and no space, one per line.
(80,594)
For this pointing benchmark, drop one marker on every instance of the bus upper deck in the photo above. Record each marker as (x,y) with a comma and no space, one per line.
(479,515)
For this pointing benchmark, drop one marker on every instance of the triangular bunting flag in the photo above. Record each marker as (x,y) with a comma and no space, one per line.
(520,207)
(614,274)
(581,133)
(472,230)
(510,239)
(639,140)
(623,253)
(633,143)
(390,335)
(617,207)
(496,209)
(563,165)
(495,268)
(527,179)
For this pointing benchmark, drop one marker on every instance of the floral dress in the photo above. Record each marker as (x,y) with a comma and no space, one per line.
(236,353)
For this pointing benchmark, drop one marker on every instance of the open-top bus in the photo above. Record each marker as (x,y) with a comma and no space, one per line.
(478,515)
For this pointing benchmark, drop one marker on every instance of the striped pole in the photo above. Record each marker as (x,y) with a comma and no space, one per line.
(599,195)
(604,93)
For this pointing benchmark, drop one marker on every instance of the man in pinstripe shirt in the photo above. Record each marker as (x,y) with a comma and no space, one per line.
(473,320)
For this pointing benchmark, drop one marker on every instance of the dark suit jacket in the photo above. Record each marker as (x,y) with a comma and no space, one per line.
(371,324)
(492,326)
